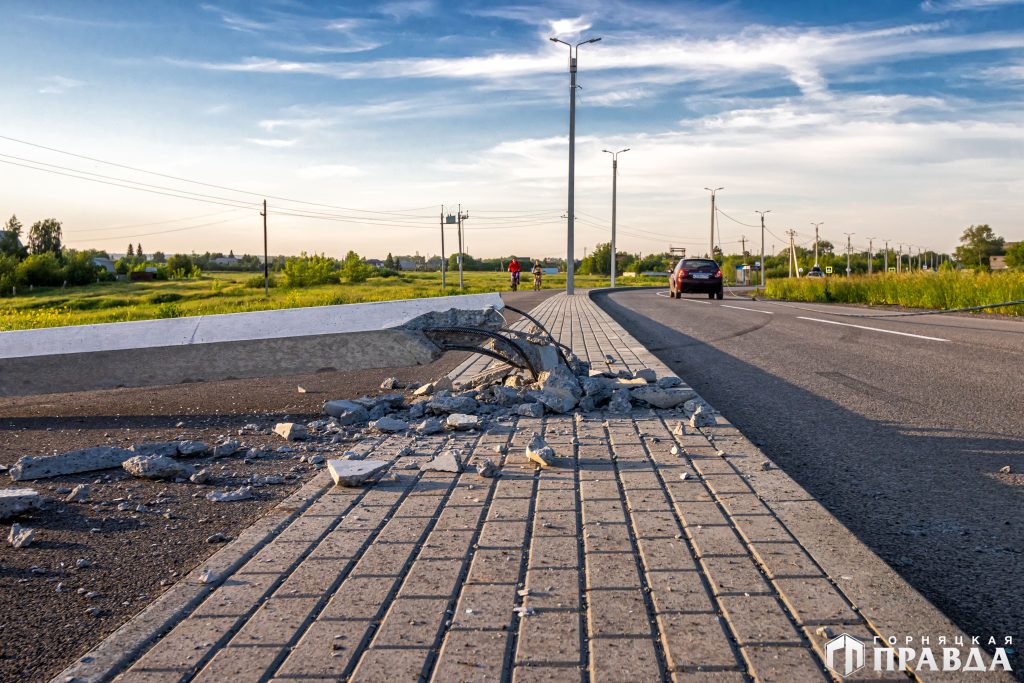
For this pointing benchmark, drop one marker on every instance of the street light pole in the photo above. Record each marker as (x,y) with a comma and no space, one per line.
(886,262)
(570,262)
(871,254)
(816,226)
(615,175)
(711,254)
(763,268)
(848,236)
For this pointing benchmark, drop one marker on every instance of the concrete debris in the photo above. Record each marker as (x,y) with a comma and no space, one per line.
(200,477)
(157,467)
(301,390)
(662,398)
(487,468)
(20,537)
(453,404)
(390,383)
(73,462)
(702,418)
(93,611)
(316,459)
(597,388)
(646,374)
(424,390)
(241,493)
(190,449)
(669,381)
(524,611)
(505,396)
(429,426)
(1005,470)
(514,382)
(609,359)
(766,466)
(346,412)
(680,429)
(461,422)
(355,472)
(530,409)
(79,494)
(675,450)
(560,390)
(167,449)
(684,476)
(417,410)
(217,538)
(206,577)
(443,462)
(389,425)
(620,402)
(225,449)
(267,480)
(14,501)
(292,431)
(538,451)
(487,318)
(501,448)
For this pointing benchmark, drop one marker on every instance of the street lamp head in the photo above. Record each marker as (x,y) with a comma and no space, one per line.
(605,150)
(556,40)
(592,40)
(623,150)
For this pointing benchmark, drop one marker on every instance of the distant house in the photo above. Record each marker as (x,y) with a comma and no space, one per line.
(104,263)
(225,260)
(998,263)
(375,262)
(406,264)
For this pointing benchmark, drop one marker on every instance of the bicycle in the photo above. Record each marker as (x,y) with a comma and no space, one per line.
(514,280)
(536,282)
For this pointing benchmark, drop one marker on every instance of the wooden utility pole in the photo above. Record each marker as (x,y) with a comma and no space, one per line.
(266,261)
(442,249)
(792,254)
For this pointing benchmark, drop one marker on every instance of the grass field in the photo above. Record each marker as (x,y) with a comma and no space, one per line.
(938,291)
(229,293)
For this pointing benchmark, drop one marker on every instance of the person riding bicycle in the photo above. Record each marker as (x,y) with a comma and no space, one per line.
(514,268)
(537,274)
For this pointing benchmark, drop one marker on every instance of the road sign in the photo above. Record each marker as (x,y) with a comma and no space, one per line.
(828,269)
(892,269)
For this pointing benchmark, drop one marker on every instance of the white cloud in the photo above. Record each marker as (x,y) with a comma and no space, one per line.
(58,85)
(959,5)
(327,171)
(569,27)
(272,142)
(403,9)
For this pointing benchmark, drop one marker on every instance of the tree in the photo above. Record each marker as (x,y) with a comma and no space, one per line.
(1015,256)
(353,268)
(44,237)
(389,262)
(598,262)
(977,244)
(181,265)
(138,252)
(10,242)
(131,250)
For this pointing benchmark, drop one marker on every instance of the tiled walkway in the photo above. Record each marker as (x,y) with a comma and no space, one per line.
(623,563)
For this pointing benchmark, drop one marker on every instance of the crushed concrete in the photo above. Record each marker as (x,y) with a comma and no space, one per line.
(15,501)
(157,467)
(73,462)
(538,451)
(662,398)
(241,493)
(168,449)
(442,404)
(192,449)
(346,412)
(646,374)
(429,426)
(79,494)
(669,381)
(225,449)
(443,462)
(291,431)
(389,425)
(620,402)
(461,422)
(487,468)
(530,409)
(702,418)
(355,472)
(20,537)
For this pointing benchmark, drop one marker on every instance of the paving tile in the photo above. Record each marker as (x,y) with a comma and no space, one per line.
(549,637)
(411,622)
(485,607)
(327,649)
(695,641)
(552,588)
(784,664)
(816,601)
(734,574)
(679,591)
(495,566)
(612,570)
(625,660)
(616,612)
(389,665)
(471,656)
(759,619)
(432,578)
(546,674)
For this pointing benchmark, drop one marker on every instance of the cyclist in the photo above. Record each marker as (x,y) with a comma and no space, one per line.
(537,274)
(513,270)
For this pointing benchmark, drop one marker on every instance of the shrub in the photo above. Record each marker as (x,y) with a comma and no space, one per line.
(256,282)
(354,269)
(305,270)
(181,266)
(79,268)
(41,270)
(169,310)
(8,273)
(164,297)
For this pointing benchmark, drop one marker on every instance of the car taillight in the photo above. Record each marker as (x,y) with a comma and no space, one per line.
(682,274)
(718,273)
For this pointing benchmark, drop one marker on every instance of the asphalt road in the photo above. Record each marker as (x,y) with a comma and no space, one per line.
(898,425)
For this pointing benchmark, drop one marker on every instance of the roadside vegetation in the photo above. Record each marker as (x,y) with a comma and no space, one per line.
(945,289)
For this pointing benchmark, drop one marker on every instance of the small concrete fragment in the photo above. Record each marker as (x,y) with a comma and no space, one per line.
(241,493)
(429,426)
(389,425)
(390,384)
(73,462)
(157,467)
(14,501)
(538,451)
(680,429)
(192,449)
(1006,469)
(487,468)
(453,404)
(702,418)
(444,462)
(461,422)
(292,431)
(646,374)
(530,409)
(225,449)
(355,472)
(346,412)
(200,477)
(79,494)
(662,398)
(20,537)
(168,449)
(669,381)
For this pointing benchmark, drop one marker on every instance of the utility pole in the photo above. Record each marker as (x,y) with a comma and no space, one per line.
(743,242)
(871,254)
(443,264)
(763,265)
(711,254)
(792,254)
(816,226)
(886,266)
(570,261)
(899,260)
(266,261)
(615,175)
(462,217)
(848,236)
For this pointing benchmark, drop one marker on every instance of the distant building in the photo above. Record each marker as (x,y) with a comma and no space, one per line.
(104,263)
(406,264)
(375,262)
(226,260)
(998,263)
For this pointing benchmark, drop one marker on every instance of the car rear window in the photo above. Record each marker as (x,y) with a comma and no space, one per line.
(699,264)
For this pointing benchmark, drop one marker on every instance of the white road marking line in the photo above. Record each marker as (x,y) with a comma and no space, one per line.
(741,308)
(873,329)
(698,301)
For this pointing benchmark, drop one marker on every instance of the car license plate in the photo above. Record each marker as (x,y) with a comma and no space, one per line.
(702,276)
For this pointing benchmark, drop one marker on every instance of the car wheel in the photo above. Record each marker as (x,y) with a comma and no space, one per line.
(720,294)
(711,295)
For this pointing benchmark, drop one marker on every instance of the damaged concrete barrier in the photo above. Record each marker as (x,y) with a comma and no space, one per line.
(84,460)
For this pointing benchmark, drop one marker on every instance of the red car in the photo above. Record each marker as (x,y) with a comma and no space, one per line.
(697,275)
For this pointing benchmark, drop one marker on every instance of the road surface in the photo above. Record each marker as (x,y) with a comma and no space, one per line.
(898,425)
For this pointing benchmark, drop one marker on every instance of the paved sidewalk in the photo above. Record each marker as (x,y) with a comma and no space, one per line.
(623,563)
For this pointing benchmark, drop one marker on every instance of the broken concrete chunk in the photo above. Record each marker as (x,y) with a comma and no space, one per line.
(702,418)
(157,467)
(669,381)
(514,382)
(620,402)
(424,390)
(461,422)
(487,468)
(429,426)
(390,383)
(13,501)
(292,431)
(417,410)
(530,409)
(662,398)
(20,537)
(505,396)
(453,404)
(225,449)
(1005,469)
(79,494)
(680,429)
(168,449)
(346,412)
(355,472)
(538,451)
(646,374)
(389,425)
(241,493)
(200,477)
(85,460)
(444,462)
(192,449)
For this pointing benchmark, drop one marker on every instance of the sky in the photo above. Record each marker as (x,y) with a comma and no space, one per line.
(167,123)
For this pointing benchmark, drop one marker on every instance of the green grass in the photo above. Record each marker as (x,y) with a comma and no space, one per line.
(234,293)
(938,291)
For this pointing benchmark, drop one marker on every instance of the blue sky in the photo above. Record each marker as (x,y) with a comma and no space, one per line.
(898,120)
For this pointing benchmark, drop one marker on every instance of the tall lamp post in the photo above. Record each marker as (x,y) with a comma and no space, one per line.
(615,175)
(711,254)
(816,226)
(763,265)
(570,261)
